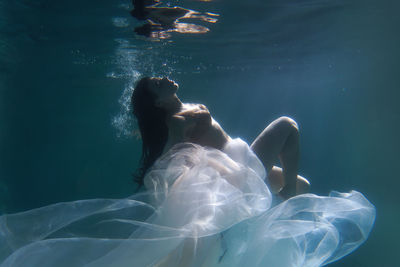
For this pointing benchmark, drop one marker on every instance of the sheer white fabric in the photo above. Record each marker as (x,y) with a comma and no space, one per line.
(202,207)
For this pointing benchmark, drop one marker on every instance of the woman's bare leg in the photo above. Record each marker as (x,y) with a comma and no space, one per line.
(280,140)
(277,182)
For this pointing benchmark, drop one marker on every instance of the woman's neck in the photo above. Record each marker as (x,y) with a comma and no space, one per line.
(175,107)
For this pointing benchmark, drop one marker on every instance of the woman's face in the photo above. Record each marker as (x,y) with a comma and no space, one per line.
(165,91)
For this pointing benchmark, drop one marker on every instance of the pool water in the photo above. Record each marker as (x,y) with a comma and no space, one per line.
(67,70)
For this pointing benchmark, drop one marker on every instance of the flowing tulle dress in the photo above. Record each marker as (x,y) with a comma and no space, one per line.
(202,207)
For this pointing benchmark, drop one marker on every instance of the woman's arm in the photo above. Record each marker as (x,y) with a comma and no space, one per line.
(194,124)
(188,124)
(199,119)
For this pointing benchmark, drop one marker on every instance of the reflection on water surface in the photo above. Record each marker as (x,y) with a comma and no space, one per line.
(161,21)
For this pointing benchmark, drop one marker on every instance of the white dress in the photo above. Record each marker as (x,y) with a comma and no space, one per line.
(202,207)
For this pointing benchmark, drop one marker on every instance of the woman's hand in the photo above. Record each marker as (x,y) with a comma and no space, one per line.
(201,117)
(198,113)
(191,123)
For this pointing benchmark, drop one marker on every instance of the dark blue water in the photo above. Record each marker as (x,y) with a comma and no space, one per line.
(67,68)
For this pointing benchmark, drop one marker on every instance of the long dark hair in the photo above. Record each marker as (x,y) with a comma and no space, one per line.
(152,126)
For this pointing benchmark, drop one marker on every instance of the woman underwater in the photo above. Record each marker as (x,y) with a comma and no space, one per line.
(165,121)
(206,203)
(166,124)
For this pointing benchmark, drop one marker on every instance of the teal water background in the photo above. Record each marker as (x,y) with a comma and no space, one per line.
(67,68)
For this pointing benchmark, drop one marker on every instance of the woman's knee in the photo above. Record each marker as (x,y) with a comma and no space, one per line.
(286,124)
(275,135)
